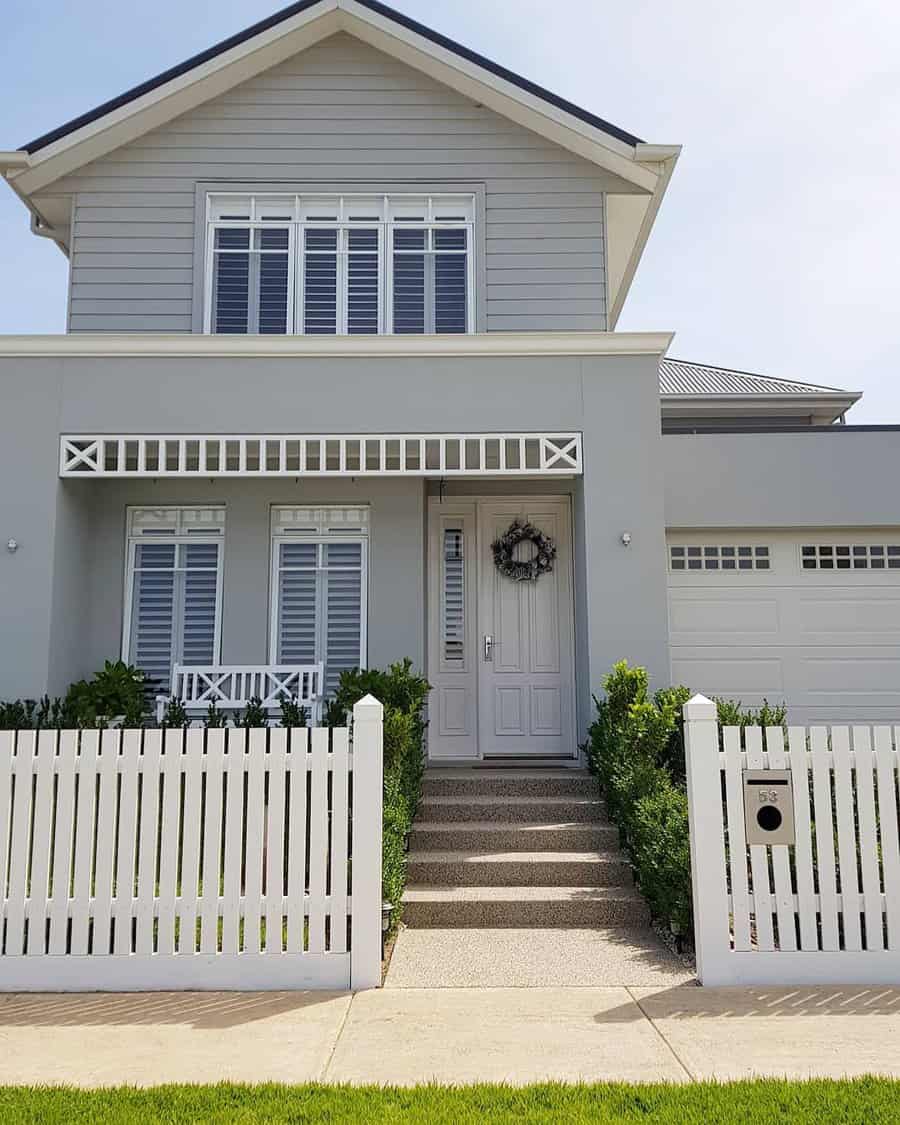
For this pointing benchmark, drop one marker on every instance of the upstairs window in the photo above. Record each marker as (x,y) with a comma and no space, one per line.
(340,265)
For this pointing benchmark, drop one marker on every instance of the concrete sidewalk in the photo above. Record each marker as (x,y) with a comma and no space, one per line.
(449,1035)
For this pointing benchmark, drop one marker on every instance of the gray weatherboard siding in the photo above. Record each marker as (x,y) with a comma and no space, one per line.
(61,594)
(340,114)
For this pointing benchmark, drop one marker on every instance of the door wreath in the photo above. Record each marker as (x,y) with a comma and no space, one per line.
(523,570)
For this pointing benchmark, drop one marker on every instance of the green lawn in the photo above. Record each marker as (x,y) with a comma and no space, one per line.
(867,1100)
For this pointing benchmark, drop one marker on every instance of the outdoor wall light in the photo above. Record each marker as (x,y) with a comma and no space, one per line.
(12,546)
(626,538)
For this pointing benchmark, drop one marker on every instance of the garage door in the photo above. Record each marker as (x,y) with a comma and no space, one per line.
(810,619)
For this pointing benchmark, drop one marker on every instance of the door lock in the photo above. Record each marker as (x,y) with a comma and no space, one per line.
(488,646)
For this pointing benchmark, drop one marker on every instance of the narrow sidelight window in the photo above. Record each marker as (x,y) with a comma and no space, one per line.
(453,609)
(173,590)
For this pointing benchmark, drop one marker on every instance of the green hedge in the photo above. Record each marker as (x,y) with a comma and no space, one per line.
(403,694)
(636,748)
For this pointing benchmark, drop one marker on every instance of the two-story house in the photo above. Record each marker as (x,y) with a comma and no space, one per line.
(342,309)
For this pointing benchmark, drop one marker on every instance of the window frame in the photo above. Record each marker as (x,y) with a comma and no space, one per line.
(392,206)
(177,538)
(320,537)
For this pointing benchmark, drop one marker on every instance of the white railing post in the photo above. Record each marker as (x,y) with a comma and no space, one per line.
(368,746)
(712,938)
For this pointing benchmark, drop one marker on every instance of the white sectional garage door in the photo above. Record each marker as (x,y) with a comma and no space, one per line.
(810,619)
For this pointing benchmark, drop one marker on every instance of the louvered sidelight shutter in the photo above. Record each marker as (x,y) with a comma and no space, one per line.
(297,603)
(199,583)
(272,302)
(362,281)
(153,612)
(450,280)
(409,281)
(320,273)
(453,614)
(231,281)
(343,597)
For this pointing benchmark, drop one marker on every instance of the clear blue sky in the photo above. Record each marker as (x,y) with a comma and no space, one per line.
(777,246)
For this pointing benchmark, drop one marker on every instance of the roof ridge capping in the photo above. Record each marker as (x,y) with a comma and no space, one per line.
(299,7)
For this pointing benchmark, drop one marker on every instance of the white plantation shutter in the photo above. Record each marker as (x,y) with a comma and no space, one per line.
(298,597)
(199,582)
(343,610)
(174,585)
(153,611)
(351,264)
(320,589)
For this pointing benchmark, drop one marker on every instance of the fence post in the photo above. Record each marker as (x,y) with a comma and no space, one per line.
(712,938)
(368,745)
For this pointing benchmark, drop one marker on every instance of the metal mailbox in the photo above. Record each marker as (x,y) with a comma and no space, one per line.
(769,807)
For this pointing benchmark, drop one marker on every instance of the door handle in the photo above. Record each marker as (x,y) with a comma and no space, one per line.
(488,646)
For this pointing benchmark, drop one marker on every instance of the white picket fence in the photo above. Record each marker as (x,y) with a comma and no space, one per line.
(219,859)
(822,910)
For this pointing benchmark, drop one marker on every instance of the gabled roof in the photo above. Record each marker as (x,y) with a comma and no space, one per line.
(302,6)
(702,388)
(638,172)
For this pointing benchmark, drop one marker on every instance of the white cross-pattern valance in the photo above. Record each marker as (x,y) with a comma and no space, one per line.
(320,455)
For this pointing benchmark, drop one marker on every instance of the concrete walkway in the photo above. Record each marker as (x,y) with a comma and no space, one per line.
(450,1035)
(533,958)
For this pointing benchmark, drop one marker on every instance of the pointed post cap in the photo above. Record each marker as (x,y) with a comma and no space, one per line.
(368,709)
(699,709)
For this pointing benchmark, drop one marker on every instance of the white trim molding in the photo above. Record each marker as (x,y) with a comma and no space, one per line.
(91,456)
(183,345)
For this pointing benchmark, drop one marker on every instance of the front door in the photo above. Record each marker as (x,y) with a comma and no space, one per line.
(501,651)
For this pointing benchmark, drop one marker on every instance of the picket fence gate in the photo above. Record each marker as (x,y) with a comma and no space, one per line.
(823,910)
(192,859)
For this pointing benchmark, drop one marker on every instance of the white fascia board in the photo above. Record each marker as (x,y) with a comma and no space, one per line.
(665,157)
(158,106)
(287,39)
(496,93)
(152,345)
(786,404)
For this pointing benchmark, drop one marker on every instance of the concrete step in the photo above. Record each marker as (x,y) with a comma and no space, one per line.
(540,907)
(508,783)
(531,810)
(505,836)
(518,869)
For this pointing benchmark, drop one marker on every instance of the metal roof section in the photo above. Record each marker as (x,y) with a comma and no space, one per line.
(703,390)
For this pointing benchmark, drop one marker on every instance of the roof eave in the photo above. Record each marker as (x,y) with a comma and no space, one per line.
(239,58)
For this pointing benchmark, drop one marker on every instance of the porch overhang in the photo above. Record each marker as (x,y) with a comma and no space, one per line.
(97,456)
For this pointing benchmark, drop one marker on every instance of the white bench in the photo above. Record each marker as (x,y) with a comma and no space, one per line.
(231,687)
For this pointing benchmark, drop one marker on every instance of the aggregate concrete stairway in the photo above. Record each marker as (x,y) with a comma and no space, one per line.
(495,848)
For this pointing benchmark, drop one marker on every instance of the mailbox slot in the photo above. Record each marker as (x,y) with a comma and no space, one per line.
(769,807)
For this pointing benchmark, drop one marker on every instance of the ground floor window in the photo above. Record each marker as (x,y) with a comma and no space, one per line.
(173,589)
(319,588)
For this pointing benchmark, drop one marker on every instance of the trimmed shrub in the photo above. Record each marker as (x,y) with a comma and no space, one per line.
(403,694)
(636,749)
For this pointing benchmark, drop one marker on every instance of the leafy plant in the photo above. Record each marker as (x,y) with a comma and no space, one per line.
(117,689)
(254,715)
(292,714)
(175,714)
(403,693)
(215,719)
(732,714)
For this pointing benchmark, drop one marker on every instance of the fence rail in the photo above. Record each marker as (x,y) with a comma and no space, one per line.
(236,859)
(821,904)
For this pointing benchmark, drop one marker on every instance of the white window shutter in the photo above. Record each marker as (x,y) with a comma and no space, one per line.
(343,610)
(199,583)
(454,603)
(153,612)
(297,603)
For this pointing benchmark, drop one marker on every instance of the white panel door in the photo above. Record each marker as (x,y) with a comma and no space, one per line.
(811,619)
(526,679)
